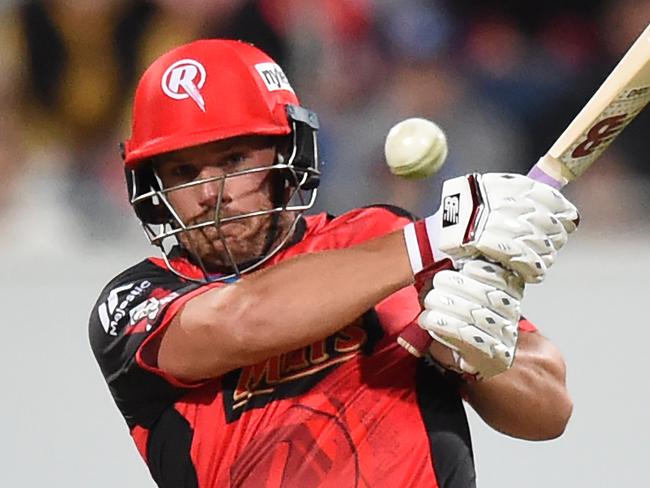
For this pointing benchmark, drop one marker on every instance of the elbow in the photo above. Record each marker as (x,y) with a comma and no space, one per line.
(558,406)
(549,423)
(563,412)
(558,403)
(551,408)
(530,401)
(561,405)
(556,423)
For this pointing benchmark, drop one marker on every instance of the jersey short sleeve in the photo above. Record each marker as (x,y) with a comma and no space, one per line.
(125,323)
(526,325)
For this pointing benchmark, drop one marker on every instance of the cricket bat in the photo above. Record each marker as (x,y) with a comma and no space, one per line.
(623,94)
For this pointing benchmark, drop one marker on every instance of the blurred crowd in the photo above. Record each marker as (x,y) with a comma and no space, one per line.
(500,78)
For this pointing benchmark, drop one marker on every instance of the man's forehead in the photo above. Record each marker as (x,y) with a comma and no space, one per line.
(216,147)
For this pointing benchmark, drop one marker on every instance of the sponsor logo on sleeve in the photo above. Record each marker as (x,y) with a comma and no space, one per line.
(116,306)
(148,311)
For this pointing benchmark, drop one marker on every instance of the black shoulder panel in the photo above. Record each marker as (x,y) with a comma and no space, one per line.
(168,452)
(444,418)
(128,310)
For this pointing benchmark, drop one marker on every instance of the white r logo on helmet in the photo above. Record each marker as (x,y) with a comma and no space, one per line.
(184,79)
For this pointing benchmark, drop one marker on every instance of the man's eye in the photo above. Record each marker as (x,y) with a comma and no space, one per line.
(235,158)
(184,171)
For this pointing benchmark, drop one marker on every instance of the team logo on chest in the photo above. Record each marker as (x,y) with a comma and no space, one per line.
(297,371)
(184,79)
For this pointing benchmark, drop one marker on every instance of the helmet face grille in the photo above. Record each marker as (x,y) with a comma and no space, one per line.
(298,178)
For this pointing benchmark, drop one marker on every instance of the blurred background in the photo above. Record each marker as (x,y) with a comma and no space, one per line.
(502,79)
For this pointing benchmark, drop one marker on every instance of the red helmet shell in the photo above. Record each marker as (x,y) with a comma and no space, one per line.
(206,91)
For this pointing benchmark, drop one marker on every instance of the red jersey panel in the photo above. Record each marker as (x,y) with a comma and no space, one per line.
(354,409)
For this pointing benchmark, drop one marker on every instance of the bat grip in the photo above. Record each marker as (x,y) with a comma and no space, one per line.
(538,174)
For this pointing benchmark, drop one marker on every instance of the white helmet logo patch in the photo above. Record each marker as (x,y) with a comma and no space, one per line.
(184,79)
(273,77)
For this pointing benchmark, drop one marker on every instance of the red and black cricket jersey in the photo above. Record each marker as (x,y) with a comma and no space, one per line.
(352,410)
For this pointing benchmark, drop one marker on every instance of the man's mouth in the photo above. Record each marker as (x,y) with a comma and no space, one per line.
(210,219)
(227,230)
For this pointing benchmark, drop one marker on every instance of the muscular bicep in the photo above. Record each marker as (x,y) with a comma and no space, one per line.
(202,339)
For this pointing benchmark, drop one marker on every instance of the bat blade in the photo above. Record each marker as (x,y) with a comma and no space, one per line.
(620,98)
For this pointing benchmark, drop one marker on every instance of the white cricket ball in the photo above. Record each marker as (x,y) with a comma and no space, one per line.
(415,148)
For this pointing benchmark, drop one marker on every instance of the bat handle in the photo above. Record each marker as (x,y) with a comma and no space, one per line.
(415,339)
(548,170)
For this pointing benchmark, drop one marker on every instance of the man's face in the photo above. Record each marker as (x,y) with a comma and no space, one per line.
(245,238)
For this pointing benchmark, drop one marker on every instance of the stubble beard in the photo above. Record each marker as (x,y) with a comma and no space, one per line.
(241,242)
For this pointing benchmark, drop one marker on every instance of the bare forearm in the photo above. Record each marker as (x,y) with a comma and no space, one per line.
(529,401)
(287,306)
(312,296)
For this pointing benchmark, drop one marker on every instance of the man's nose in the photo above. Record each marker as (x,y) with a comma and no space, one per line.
(210,191)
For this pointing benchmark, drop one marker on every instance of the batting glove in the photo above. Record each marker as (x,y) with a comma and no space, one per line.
(475,312)
(509,218)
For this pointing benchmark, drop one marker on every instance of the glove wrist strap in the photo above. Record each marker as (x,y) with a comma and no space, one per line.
(422,239)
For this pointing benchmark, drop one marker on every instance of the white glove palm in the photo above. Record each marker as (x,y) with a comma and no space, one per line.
(475,312)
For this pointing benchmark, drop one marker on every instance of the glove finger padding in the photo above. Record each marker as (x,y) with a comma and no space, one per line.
(557,204)
(511,219)
(460,293)
(513,191)
(475,312)
(513,253)
(494,275)
(547,227)
(518,222)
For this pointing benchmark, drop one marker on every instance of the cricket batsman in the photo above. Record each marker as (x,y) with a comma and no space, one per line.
(260,349)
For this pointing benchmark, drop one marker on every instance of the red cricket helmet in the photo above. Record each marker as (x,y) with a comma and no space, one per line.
(207,91)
